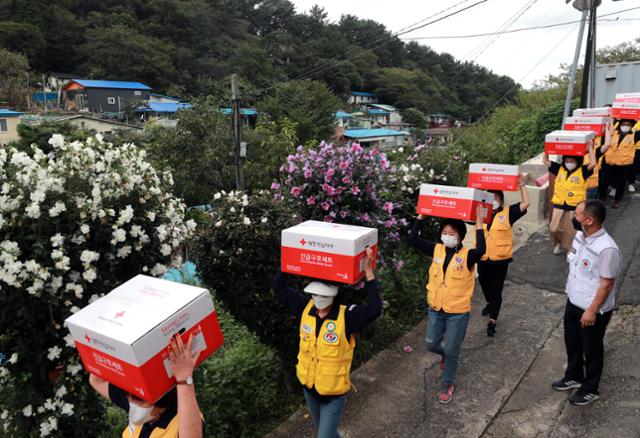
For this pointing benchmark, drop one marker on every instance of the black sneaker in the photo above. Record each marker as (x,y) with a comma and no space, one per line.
(581,399)
(565,384)
(485,311)
(491,329)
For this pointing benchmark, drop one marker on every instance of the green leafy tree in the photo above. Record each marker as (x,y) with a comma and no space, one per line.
(39,135)
(14,69)
(415,117)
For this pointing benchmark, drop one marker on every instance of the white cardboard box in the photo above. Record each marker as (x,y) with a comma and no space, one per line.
(493,176)
(604,111)
(568,142)
(454,202)
(123,336)
(595,124)
(626,110)
(327,251)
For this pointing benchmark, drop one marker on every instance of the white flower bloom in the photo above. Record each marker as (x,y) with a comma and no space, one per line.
(27,411)
(191,225)
(218,224)
(54,353)
(89,256)
(162,233)
(123,252)
(13,359)
(61,392)
(38,196)
(165,249)
(57,240)
(67,409)
(158,270)
(57,141)
(58,208)
(74,309)
(217,196)
(232,209)
(119,235)
(68,340)
(246,221)
(89,275)
(74,369)
(264,220)
(33,211)
(84,229)
(135,230)
(125,215)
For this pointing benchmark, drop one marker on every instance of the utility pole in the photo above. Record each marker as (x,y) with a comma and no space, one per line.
(237,127)
(574,67)
(588,79)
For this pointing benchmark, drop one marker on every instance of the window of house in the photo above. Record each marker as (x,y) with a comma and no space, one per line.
(3,125)
(138,93)
(111,100)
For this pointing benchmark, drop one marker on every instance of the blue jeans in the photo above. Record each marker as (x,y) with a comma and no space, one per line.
(326,416)
(592,193)
(454,326)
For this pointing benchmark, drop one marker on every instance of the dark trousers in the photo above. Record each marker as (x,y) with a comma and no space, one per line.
(585,348)
(635,171)
(492,277)
(616,176)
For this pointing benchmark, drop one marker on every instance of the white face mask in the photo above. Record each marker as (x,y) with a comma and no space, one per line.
(625,129)
(496,205)
(321,302)
(139,414)
(449,241)
(571,165)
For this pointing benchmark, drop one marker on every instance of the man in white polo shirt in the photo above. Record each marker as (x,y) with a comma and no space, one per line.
(594,263)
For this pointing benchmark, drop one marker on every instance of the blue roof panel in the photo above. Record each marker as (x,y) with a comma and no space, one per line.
(121,85)
(4,112)
(367,133)
(243,111)
(363,93)
(343,115)
(378,112)
(163,107)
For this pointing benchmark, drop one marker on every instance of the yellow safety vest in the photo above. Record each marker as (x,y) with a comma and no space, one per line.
(171,430)
(499,238)
(325,361)
(570,189)
(592,181)
(450,291)
(623,153)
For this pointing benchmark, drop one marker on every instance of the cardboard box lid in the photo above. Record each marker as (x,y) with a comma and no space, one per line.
(145,301)
(336,238)
(500,169)
(456,192)
(602,111)
(628,105)
(627,95)
(570,136)
(592,120)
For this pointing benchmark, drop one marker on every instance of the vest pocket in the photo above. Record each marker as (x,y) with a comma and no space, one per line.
(329,349)
(503,250)
(332,379)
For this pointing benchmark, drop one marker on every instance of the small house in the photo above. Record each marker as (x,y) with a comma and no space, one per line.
(9,121)
(162,98)
(343,118)
(381,138)
(87,95)
(90,123)
(362,98)
(162,113)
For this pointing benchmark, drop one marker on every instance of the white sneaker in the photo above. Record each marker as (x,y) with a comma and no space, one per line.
(631,188)
(557,250)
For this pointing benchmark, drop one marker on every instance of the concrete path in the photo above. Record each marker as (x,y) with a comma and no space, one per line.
(503,385)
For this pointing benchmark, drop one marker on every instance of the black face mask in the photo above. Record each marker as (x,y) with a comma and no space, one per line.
(576,224)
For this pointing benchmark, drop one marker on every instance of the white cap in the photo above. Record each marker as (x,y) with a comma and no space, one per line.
(320,288)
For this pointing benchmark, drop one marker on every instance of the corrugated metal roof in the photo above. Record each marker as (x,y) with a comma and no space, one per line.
(343,115)
(121,85)
(163,107)
(243,111)
(378,112)
(380,132)
(389,108)
(39,96)
(363,93)
(5,112)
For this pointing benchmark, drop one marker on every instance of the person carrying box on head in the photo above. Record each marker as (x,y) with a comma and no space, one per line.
(620,145)
(492,269)
(176,414)
(570,189)
(327,342)
(449,291)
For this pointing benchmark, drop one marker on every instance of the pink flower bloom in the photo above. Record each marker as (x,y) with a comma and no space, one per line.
(399,265)
(355,190)
(295,191)
(346,180)
(356,147)
(365,217)
(292,169)
(275,186)
(344,165)
(388,207)
(328,218)
(344,213)
(277,197)
(311,200)
(307,174)
(329,173)
(325,205)
(408,349)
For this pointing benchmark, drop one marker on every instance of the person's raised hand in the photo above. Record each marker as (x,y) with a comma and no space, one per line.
(182,361)
(368,265)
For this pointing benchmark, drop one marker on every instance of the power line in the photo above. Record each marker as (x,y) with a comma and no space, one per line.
(523,77)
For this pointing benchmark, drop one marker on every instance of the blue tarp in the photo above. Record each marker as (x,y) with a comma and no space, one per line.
(163,107)
(39,96)
(378,112)
(363,93)
(343,115)
(4,112)
(243,111)
(186,274)
(121,85)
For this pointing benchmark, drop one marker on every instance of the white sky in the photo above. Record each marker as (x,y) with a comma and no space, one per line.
(513,54)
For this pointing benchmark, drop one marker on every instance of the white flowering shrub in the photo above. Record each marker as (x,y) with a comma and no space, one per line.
(73,225)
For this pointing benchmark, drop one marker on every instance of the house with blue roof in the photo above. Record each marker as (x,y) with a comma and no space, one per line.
(98,96)
(9,121)
(362,98)
(162,113)
(381,138)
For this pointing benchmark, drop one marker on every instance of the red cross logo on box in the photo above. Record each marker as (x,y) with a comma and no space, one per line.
(303,242)
(119,315)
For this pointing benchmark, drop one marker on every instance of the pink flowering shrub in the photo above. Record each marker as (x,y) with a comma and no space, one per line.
(345,184)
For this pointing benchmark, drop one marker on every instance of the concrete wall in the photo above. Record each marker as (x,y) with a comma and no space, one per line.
(12,130)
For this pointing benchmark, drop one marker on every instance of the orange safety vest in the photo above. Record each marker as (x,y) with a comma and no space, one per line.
(325,361)
(623,152)
(450,291)
(570,189)
(499,238)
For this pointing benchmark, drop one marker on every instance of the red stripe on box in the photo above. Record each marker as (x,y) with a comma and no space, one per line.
(324,265)
(598,129)
(149,381)
(560,148)
(488,181)
(625,113)
(453,208)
